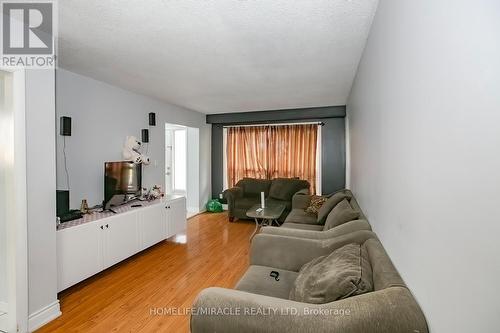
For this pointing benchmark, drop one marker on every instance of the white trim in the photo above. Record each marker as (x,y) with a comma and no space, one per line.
(192,211)
(43,316)
(180,191)
(201,211)
(276,124)
(17,248)
(21,201)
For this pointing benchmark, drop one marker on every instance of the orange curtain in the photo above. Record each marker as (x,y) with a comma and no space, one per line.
(268,152)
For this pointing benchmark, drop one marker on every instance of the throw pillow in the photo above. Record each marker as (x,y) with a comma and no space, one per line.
(315,204)
(341,274)
(341,214)
(330,204)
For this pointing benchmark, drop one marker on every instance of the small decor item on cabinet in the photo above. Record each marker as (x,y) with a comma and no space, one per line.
(84,207)
(131,151)
(214,206)
(154,193)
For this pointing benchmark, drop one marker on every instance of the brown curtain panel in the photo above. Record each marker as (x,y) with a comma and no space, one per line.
(268,152)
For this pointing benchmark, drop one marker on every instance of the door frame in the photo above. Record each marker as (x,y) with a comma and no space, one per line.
(170,150)
(174,171)
(19,225)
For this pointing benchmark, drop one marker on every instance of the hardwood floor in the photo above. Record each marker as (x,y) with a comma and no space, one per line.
(168,275)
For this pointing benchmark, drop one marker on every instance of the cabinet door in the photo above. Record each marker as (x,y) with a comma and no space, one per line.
(177,216)
(79,253)
(152,225)
(122,237)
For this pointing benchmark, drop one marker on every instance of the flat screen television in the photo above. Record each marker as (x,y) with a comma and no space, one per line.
(122,183)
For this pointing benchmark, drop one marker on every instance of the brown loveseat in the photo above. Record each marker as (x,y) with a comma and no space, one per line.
(246,193)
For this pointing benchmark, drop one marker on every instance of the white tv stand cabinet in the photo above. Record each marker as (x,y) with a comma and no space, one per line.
(90,245)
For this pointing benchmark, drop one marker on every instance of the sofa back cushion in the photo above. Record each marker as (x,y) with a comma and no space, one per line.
(253,186)
(340,214)
(345,272)
(285,188)
(330,203)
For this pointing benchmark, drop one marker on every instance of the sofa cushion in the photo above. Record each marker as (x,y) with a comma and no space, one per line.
(315,204)
(340,214)
(288,204)
(301,226)
(329,204)
(300,216)
(339,275)
(285,188)
(246,202)
(256,280)
(253,187)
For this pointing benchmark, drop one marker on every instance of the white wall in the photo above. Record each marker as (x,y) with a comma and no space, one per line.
(102,116)
(5,141)
(41,201)
(424,116)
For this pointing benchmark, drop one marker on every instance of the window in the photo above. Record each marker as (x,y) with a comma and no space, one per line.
(273,151)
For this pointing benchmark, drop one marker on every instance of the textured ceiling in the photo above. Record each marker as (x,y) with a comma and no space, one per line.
(218,56)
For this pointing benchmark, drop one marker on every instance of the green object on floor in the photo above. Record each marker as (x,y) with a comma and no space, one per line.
(214,206)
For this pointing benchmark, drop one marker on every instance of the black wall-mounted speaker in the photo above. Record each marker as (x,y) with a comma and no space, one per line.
(152,119)
(65,126)
(145,135)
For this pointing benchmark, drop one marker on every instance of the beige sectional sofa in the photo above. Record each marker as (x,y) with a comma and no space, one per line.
(302,224)
(265,298)
(259,303)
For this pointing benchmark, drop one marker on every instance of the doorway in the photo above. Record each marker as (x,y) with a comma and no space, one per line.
(13,224)
(182,164)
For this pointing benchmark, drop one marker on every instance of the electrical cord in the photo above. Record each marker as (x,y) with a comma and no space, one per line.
(147,146)
(65,162)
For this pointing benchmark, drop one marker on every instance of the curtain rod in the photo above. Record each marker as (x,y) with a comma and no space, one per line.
(276,124)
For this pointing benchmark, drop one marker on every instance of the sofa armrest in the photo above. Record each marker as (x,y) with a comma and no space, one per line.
(313,234)
(225,310)
(291,253)
(301,199)
(233,193)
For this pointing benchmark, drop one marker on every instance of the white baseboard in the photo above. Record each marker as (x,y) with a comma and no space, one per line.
(195,210)
(43,316)
(201,211)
